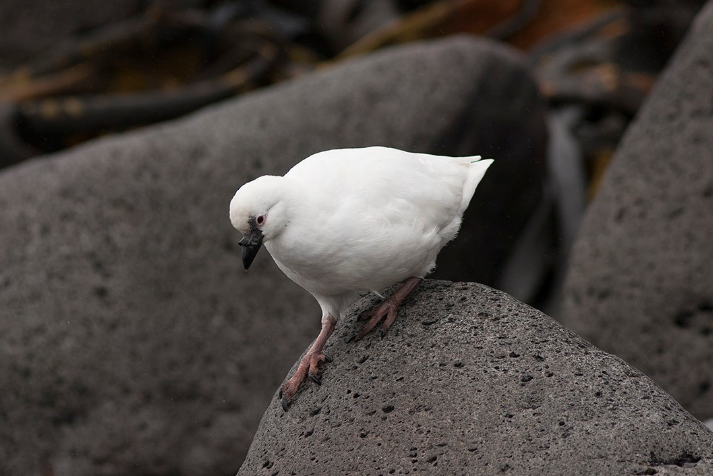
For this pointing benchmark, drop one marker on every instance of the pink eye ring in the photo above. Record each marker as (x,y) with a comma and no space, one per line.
(260,220)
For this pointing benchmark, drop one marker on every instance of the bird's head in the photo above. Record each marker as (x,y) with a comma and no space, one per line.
(258,210)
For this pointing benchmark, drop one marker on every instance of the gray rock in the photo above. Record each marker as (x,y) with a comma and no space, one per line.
(471,381)
(640,283)
(684,465)
(131,341)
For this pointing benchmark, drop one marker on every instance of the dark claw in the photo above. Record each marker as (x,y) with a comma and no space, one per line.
(279,394)
(328,359)
(285,404)
(315,379)
(382,334)
(351,338)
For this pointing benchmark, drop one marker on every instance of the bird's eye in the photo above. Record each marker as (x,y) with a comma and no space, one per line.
(260,220)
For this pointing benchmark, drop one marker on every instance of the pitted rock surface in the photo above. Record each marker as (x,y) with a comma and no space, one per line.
(131,340)
(471,381)
(640,283)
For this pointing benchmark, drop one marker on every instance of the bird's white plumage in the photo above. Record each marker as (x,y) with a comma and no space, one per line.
(350,220)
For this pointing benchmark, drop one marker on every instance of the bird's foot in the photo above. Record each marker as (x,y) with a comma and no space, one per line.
(309,365)
(308,368)
(388,309)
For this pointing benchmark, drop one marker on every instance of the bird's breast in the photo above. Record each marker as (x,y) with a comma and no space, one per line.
(357,260)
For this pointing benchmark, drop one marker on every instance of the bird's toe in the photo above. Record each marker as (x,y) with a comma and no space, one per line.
(371,312)
(389,321)
(369,326)
(314,362)
(288,391)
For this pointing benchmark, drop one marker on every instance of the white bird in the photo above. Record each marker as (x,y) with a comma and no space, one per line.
(346,221)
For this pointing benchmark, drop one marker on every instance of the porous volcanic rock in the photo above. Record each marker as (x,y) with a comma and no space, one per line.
(131,341)
(640,283)
(471,381)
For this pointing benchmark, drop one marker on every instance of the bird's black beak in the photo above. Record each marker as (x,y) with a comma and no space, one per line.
(251,243)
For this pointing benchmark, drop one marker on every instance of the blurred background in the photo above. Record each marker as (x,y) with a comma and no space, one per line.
(76,73)
(72,71)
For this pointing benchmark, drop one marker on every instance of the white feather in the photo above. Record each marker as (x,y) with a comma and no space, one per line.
(350,220)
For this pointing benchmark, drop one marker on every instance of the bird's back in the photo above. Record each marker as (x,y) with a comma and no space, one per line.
(397,186)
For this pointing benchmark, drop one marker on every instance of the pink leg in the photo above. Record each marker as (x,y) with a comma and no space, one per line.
(389,308)
(309,365)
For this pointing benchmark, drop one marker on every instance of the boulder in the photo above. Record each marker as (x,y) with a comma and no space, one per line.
(131,341)
(640,282)
(471,381)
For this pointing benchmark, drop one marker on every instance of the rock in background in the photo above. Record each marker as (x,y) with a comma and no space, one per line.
(131,341)
(641,281)
(471,381)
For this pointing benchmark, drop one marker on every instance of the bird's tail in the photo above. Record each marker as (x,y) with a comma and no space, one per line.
(476,172)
